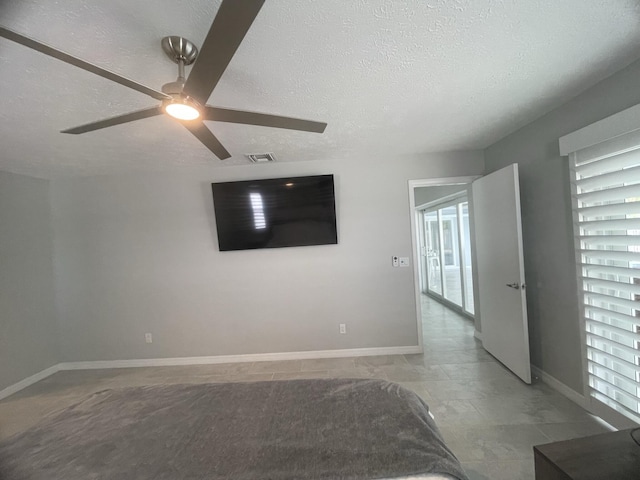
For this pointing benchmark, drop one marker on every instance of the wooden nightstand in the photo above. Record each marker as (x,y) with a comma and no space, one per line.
(609,456)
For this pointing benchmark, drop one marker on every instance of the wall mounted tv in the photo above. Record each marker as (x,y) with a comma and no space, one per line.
(277,212)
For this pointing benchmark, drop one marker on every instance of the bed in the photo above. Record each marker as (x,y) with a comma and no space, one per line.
(282,430)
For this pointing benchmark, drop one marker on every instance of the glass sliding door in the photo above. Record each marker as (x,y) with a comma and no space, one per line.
(465,249)
(432,240)
(447,242)
(451,249)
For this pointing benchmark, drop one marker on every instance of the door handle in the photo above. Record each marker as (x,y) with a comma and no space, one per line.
(516,285)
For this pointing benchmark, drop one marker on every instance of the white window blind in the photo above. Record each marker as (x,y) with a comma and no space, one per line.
(606,180)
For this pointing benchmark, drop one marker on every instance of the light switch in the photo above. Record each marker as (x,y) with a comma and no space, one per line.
(404,261)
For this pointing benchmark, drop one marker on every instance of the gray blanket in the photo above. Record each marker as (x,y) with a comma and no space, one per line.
(303,429)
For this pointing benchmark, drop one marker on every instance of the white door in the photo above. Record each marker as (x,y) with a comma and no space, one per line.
(498,240)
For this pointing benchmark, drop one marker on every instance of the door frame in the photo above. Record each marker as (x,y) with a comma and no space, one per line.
(415,246)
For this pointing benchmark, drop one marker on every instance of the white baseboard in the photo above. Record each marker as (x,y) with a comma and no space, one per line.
(560,387)
(163,362)
(11,389)
(253,357)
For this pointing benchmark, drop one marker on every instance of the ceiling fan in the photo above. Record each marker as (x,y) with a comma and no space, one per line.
(185,99)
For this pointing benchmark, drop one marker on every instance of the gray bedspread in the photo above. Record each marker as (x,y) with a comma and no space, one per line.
(302,429)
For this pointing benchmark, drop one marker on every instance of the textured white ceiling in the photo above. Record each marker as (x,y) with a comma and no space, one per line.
(389,77)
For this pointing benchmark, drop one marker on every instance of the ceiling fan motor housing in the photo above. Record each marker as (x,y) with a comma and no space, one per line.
(174,88)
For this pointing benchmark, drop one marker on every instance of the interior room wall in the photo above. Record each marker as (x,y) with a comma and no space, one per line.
(432,193)
(28,329)
(138,253)
(549,252)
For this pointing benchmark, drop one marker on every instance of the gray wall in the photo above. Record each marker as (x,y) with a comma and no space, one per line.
(28,328)
(429,194)
(138,253)
(552,298)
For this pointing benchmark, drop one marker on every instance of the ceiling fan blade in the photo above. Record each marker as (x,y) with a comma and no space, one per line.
(225,35)
(252,118)
(209,140)
(76,62)
(110,122)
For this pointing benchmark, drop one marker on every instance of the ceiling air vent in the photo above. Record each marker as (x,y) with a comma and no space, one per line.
(261,157)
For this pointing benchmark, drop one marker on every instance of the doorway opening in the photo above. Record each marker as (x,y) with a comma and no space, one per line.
(442,232)
(445,248)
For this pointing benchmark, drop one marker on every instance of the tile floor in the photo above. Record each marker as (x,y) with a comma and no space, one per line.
(490,419)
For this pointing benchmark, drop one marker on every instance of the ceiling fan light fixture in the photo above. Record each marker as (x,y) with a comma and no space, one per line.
(185,98)
(182,109)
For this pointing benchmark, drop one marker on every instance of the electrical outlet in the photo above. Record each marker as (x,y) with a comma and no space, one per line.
(148,338)
(343,328)
(395,261)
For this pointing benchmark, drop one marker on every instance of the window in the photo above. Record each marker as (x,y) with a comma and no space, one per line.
(606,183)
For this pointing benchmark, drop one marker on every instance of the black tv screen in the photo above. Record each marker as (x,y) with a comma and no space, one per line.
(277,212)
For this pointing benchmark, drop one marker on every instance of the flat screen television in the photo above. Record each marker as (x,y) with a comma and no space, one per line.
(274,213)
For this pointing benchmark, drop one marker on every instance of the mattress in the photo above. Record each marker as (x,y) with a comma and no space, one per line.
(285,430)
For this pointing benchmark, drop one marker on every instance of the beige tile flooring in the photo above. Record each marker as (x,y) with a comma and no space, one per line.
(490,419)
